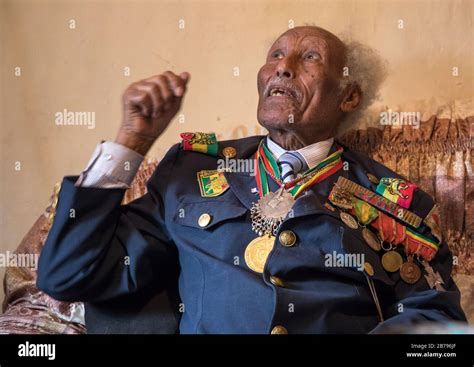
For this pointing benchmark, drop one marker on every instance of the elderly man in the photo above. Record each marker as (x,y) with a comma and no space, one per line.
(315,239)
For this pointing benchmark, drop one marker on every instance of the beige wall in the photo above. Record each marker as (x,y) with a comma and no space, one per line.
(82,70)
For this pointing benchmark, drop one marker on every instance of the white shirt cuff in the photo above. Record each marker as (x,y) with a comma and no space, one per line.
(112,166)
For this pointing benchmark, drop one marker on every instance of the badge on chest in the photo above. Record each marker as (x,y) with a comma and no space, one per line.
(212,183)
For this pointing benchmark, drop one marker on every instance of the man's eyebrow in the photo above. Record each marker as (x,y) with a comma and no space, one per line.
(309,41)
(273,48)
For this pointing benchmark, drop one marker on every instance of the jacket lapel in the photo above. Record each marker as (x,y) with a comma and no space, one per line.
(243,183)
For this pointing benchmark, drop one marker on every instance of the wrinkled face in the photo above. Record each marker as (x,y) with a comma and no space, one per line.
(298,85)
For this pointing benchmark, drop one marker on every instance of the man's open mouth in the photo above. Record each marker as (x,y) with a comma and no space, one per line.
(282,92)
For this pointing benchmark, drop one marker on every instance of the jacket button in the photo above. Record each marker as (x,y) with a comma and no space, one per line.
(276,281)
(279,330)
(287,238)
(369,269)
(204,220)
(229,152)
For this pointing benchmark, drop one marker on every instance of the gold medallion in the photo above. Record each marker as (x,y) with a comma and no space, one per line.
(349,220)
(371,239)
(257,252)
(410,272)
(391,261)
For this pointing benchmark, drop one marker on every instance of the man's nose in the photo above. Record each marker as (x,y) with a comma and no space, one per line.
(285,68)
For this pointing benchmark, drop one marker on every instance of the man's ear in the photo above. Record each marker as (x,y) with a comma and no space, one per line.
(352,98)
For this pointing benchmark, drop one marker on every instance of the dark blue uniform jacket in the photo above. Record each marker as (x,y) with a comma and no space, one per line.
(106,251)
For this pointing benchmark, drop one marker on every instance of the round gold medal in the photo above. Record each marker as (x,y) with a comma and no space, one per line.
(391,261)
(257,252)
(410,272)
(371,239)
(349,220)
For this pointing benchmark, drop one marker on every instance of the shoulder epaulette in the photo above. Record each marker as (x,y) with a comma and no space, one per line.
(200,142)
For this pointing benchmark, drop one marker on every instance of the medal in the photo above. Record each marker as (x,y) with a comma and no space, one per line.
(433,220)
(272,207)
(340,198)
(268,213)
(420,245)
(391,261)
(349,220)
(364,212)
(387,226)
(257,252)
(371,239)
(433,278)
(410,272)
(379,202)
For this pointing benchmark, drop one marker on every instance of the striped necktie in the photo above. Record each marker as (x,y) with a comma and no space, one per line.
(291,163)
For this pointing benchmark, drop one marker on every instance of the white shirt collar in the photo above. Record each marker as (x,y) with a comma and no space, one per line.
(313,154)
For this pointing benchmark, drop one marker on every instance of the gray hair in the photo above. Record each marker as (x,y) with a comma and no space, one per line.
(366,68)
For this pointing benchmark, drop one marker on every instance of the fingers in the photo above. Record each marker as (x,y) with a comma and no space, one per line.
(154,95)
(162,86)
(185,76)
(139,100)
(177,83)
(157,94)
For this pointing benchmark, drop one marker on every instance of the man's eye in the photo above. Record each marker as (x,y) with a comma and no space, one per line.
(277,55)
(313,56)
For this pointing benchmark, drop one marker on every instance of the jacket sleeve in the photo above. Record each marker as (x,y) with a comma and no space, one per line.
(98,249)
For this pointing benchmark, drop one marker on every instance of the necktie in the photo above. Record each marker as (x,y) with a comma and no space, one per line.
(290,164)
